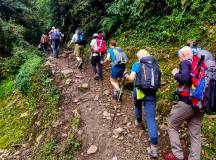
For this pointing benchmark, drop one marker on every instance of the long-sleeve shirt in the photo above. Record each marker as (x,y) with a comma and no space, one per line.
(184,78)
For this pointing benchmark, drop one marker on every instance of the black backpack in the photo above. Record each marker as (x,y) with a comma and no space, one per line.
(149,77)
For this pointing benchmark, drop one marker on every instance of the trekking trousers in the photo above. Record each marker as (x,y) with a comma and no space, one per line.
(184,112)
(55,48)
(149,103)
(96,62)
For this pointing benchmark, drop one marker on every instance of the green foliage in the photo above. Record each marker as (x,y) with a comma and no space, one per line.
(25,73)
(10,34)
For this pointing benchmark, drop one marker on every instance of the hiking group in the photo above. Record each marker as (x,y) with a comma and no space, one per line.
(196,88)
(53,39)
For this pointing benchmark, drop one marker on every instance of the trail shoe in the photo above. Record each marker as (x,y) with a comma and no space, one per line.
(80,65)
(96,77)
(154,153)
(171,156)
(116,94)
(139,124)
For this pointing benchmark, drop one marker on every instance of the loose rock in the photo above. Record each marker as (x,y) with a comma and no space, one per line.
(92,149)
(118,131)
(115,158)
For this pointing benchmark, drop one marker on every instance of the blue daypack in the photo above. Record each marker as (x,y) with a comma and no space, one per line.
(120,57)
(55,36)
(81,39)
(149,76)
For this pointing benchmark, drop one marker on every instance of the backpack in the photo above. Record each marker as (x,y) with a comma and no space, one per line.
(120,57)
(55,36)
(149,76)
(100,46)
(81,39)
(203,90)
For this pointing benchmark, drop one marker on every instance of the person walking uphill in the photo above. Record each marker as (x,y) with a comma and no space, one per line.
(98,47)
(183,111)
(147,77)
(119,60)
(79,39)
(55,42)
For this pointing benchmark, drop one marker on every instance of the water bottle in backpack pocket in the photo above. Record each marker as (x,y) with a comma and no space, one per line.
(149,76)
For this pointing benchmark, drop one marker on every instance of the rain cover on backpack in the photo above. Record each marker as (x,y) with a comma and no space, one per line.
(203,93)
(150,75)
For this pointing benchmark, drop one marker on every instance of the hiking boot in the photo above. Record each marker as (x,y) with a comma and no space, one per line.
(154,153)
(115,94)
(96,77)
(80,65)
(139,124)
(171,156)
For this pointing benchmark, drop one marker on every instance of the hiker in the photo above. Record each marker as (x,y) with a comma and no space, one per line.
(98,48)
(55,42)
(51,31)
(119,60)
(44,42)
(79,39)
(146,76)
(183,111)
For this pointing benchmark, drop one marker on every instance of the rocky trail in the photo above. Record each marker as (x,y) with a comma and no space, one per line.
(100,138)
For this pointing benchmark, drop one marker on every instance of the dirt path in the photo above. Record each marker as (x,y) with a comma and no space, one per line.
(80,92)
(97,109)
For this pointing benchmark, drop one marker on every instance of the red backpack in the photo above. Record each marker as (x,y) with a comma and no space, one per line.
(203,90)
(100,46)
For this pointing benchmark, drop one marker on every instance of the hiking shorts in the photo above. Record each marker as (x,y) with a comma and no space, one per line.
(117,71)
(79,50)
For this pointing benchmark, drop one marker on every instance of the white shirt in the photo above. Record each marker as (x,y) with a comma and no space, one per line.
(74,38)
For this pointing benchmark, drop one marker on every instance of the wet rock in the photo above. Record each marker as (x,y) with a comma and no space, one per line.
(92,149)
(118,131)
(23,115)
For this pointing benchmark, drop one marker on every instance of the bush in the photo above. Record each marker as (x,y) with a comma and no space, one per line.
(25,73)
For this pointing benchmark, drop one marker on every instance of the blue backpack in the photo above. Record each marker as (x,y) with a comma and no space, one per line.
(149,76)
(81,38)
(120,57)
(55,36)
